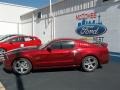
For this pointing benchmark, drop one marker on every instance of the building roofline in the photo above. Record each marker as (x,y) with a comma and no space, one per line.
(49,5)
(10,4)
(37,9)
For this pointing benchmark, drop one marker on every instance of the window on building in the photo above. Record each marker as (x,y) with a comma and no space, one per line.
(95,1)
(105,0)
(81,6)
(77,8)
(91,3)
(39,15)
(88,4)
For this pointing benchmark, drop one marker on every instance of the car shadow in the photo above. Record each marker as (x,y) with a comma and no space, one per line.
(54,70)
(61,70)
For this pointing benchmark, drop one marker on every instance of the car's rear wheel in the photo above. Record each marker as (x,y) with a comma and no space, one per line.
(2,50)
(89,63)
(22,66)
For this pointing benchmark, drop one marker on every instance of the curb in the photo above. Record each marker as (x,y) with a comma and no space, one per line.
(1,86)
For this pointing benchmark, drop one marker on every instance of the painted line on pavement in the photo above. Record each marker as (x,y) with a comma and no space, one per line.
(1,86)
(114,55)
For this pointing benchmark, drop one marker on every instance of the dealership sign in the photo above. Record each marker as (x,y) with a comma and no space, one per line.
(89,25)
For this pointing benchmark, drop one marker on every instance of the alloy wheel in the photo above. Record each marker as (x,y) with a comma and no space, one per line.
(22,66)
(90,63)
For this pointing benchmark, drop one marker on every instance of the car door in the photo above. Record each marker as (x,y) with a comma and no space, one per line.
(28,41)
(16,42)
(31,41)
(57,54)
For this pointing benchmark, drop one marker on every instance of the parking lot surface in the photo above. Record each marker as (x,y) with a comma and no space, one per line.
(105,78)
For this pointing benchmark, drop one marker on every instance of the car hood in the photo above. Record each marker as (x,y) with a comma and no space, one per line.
(2,42)
(23,49)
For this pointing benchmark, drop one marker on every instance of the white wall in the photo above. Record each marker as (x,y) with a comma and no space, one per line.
(27,24)
(42,29)
(26,29)
(8,28)
(10,17)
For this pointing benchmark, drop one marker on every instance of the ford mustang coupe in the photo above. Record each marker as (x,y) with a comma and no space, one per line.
(59,53)
(10,42)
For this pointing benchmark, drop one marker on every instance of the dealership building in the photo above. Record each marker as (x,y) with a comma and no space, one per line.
(87,19)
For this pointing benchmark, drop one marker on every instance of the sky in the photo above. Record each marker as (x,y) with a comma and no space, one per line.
(31,3)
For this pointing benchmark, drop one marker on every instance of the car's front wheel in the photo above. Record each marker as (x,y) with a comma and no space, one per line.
(22,66)
(89,63)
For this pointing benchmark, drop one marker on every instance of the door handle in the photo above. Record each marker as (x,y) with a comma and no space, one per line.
(22,45)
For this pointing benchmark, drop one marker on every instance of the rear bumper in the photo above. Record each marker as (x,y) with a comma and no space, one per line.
(104,59)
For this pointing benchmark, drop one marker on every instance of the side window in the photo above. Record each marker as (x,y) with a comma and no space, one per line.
(62,45)
(21,39)
(28,39)
(17,39)
(14,40)
(67,44)
(56,45)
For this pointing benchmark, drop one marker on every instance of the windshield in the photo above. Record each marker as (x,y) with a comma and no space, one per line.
(44,45)
(5,37)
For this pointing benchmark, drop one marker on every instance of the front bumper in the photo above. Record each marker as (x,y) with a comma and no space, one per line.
(6,62)
(7,65)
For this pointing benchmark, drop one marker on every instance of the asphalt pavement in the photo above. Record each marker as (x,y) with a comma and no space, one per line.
(105,78)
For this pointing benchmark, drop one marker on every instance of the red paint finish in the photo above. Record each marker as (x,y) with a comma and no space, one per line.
(15,42)
(59,53)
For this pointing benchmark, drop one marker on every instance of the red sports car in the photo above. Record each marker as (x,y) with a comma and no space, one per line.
(59,53)
(10,42)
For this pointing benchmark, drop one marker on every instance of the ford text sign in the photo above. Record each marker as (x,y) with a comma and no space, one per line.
(91,30)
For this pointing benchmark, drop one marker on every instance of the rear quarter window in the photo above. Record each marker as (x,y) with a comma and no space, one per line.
(28,39)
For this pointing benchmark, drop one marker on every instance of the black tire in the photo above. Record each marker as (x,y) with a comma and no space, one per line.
(89,63)
(22,66)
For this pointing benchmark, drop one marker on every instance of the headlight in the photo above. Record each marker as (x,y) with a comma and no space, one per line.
(3,57)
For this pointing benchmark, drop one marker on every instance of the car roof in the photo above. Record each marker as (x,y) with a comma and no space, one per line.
(72,39)
(20,35)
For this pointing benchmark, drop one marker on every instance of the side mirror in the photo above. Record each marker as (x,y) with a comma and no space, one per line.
(49,49)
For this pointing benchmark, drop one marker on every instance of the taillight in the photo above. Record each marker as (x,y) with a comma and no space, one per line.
(104,44)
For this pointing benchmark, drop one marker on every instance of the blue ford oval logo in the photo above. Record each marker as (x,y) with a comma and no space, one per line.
(91,30)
